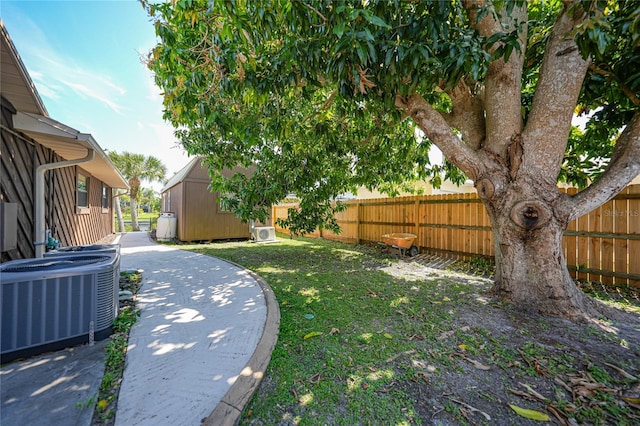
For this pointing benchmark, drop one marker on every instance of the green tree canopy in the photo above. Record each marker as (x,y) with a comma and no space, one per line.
(308,90)
(326,96)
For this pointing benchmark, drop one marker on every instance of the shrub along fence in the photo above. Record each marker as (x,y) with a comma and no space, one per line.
(602,246)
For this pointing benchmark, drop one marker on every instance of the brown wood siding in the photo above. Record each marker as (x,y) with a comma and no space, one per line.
(202,219)
(71,226)
(20,156)
(197,212)
(16,180)
(175,207)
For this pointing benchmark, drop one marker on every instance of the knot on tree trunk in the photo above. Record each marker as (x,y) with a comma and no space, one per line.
(485,188)
(530,215)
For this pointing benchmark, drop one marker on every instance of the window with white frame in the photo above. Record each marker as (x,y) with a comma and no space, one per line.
(105,197)
(82,191)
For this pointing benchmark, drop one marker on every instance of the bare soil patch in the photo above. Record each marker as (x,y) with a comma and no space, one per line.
(496,355)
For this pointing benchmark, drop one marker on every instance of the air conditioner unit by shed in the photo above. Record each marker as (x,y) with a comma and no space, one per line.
(263,234)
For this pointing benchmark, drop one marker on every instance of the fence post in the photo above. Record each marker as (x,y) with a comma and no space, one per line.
(633,219)
(357,222)
(417,220)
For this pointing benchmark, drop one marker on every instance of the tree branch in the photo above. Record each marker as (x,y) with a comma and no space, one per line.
(559,84)
(622,169)
(625,89)
(439,132)
(489,24)
(467,115)
(313,9)
(502,101)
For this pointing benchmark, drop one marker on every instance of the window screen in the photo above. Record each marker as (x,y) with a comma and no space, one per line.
(83,190)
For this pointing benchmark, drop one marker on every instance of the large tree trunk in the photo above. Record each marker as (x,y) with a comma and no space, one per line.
(528,219)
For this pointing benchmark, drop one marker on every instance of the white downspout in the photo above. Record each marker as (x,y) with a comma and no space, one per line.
(40,231)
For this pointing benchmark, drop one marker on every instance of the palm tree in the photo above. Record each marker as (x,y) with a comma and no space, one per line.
(116,203)
(137,167)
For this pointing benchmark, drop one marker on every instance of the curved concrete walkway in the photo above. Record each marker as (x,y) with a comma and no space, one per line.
(203,340)
(196,354)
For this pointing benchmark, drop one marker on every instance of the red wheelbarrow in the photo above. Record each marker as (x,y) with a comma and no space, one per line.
(402,242)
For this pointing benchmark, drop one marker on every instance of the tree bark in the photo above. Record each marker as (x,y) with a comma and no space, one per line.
(502,91)
(120,219)
(135,226)
(134,192)
(559,84)
(528,223)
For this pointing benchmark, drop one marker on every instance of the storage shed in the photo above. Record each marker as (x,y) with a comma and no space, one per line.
(197,210)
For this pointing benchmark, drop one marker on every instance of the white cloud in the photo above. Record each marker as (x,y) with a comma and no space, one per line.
(47,91)
(53,70)
(85,91)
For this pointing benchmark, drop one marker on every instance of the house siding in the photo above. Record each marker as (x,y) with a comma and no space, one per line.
(20,156)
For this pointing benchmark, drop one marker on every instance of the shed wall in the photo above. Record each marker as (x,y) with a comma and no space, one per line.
(202,218)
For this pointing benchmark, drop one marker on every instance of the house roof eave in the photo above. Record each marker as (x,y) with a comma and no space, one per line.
(70,144)
(15,81)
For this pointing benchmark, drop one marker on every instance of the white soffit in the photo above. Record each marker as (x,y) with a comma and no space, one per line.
(70,144)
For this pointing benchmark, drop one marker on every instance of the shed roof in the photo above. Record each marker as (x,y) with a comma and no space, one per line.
(33,119)
(182,174)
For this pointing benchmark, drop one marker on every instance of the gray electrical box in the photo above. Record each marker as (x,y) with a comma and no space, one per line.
(8,226)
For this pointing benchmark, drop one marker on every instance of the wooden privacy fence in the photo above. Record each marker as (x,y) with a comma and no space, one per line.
(603,245)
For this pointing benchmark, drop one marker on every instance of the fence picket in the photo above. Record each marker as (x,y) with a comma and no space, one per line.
(633,217)
(594,244)
(607,244)
(621,246)
(582,225)
(602,245)
(570,242)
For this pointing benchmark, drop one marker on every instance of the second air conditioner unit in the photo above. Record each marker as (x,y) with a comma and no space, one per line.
(263,234)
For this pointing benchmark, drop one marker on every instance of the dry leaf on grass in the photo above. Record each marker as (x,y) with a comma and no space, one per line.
(312,334)
(530,414)
(621,371)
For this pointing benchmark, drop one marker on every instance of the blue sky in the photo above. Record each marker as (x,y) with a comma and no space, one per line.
(84,57)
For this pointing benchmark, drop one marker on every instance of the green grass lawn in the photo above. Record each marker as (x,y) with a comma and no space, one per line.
(142,216)
(368,339)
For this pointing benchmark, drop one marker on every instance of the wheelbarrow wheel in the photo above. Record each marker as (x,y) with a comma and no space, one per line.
(413,251)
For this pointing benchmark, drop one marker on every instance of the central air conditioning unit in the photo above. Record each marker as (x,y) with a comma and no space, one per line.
(56,302)
(86,249)
(263,234)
